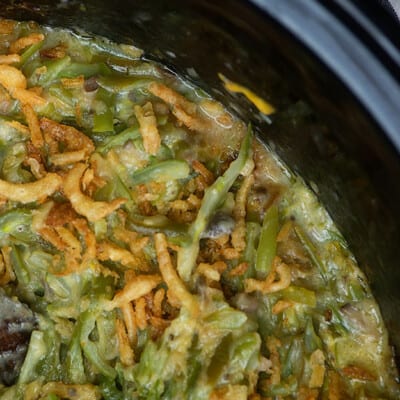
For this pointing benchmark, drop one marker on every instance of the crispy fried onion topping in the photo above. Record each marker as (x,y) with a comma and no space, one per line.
(33,123)
(148,128)
(135,288)
(78,145)
(170,276)
(32,191)
(184,110)
(279,278)
(15,82)
(110,251)
(26,41)
(9,58)
(82,204)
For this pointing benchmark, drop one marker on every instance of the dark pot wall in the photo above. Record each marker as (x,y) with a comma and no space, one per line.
(352,157)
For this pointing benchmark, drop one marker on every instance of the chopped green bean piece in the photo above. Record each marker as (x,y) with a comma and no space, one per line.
(163,171)
(266,250)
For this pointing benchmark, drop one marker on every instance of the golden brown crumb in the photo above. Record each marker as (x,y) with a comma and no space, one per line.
(141,315)
(9,58)
(26,41)
(148,128)
(34,127)
(239,269)
(125,350)
(7,26)
(56,52)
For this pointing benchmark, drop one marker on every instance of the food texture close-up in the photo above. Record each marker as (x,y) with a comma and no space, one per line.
(155,240)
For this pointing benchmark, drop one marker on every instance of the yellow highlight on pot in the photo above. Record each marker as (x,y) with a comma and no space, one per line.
(260,103)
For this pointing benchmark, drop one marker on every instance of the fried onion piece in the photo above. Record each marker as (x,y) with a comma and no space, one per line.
(72,392)
(110,251)
(212,271)
(60,214)
(34,127)
(32,191)
(82,227)
(28,97)
(135,242)
(148,128)
(12,78)
(73,139)
(281,305)
(130,322)
(7,26)
(355,372)
(171,277)
(67,158)
(9,58)
(135,288)
(157,302)
(184,110)
(58,51)
(34,160)
(6,270)
(51,236)
(19,127)
(271,284)
(204,172)
(240,269)
(317,363)
(125,350)
(73,83)
(141,314)
(82,204)
(26,41)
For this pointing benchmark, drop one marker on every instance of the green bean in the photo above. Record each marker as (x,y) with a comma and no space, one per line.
(214,196)
(103,122)
(118,84)
(62,94)
(282,389)
(51,397)
(17,225)
(246,347)
(29,52)
(120,139)
(293,362)
(299,295)
(162,171)
(312,251)
(226,319)
(219,360)
(109,390)
(312,341)
(89,348)
(20,269)
(194,365)
(74,368)
(53,71)
(266,250)
(117,50)
(252,234)
(36,351)
(75,69)
(176,232)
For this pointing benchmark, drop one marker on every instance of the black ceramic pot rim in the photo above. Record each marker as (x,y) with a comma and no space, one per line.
(357,41)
